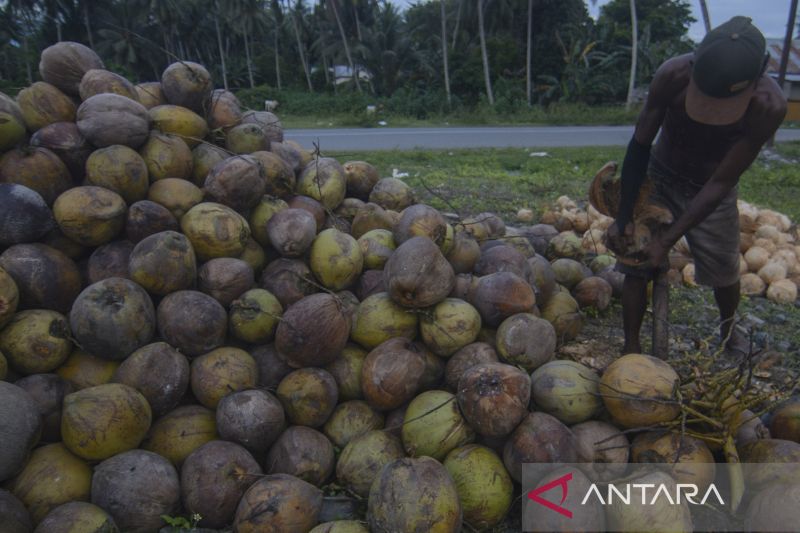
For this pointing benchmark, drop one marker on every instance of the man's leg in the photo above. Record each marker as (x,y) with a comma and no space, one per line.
(728,301)
(634,304)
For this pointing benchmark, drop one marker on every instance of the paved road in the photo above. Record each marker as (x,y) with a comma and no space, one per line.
(358,139)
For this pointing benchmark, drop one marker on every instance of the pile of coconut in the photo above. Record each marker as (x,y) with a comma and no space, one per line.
(769,264)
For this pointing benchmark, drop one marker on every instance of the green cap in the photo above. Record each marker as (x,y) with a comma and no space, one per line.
(727,64)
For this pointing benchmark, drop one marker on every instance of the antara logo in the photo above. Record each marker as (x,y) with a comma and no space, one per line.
(625,493)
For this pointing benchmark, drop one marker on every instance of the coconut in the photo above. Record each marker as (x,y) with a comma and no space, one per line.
(166,156)
(603,445)
(215,230)
(420,220)
(568,272)
(434,426)
(106,119)
(766,244)
(64,64)
(90,215)
(179,122)
(324,180)
(449,326)
(119,169)
(782,291)
(224,110)
(65,140)
(77,516)
(309,396)
(42,104)
(9,297)
(465,358)
(656,515)
(417,274)
(772,271)
(637,391)
(474,227)
(261,214)
(45,278)
(346,370)
(392,373)
(391,193)
(751,429)
(351,419)
(178,433)
(187,84)
(20,427)
(539,438)
(98,81)
(278,176)
(246,138)
(24,215)
(774,508)
(363,457)
(225,279)
(221,372)
(335,259)
(48,391)
(593,292)
(163,263)
(288,153)
(361,178)
(503,258)
(147,218)
(593,242)
(159,372)
(204,157)
(484,487)
(83,370)
(98,422)
(340,526)
(149,94)
(378,319)
(252,418)
(58,241)
(15,517)
(192,322)
(501,295)
(272,366)
(125,486)
(785,422)
(583,516)
(294,506)
(691,460)
(414,495)
(563,312)
(376,247)
(369,283)
(434,368)
(271,124)
(288,280)
(526,340)
(614,278)
(51,477)
(291,231)
(237,182)
(313,207)
(12,125)
(769,461)
(543,278)
(109,261)
(112,318)
(566,390)
(490,388)
(35,341)
(313,331)
(214,478)
(465,286)
(254,316)
(370,217)
(564,245)
(38,169)
(304,453)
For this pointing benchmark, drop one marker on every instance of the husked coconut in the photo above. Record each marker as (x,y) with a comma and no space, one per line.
(782,291)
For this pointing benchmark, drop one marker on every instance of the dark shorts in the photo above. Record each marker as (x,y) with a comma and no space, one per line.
(714,242)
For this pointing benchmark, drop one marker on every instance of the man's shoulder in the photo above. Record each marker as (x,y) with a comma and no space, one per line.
(673,74)
(768,100)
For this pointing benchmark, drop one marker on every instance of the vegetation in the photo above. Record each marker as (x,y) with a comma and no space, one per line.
(365,52)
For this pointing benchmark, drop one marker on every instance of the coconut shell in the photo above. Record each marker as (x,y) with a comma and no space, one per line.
(501,295)
(65,140)
(187,84)
(213,480)
(286,279)
(224,110)
(392,373)
(42,104)
(361,178)
(417,274)
(124,486)
(313,332)
(36,341)
(192,322)
(539,438)
(490,388)
(146,218)
(304,453)
(77,516)
(159,372)
(215,231)
(20,429)
(45,277)
(225,279)
(392,193)
(253,418)
(181,431)
(309,396)
(526,340)
(39,169)
(48,391)
(179,122)
(150,94)
(237,182)
(65,63)
(294,506)
(24,215)
(106,119)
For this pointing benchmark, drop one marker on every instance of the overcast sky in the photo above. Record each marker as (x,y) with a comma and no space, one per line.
(768,15)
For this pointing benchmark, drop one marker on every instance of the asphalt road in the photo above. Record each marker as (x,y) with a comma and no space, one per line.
(364,139)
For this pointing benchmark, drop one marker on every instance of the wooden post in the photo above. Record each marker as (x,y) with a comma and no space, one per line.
(660,315)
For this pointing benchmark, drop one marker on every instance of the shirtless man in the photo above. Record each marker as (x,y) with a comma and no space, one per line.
(715,109)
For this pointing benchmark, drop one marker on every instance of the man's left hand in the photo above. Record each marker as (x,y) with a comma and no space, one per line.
(657,251)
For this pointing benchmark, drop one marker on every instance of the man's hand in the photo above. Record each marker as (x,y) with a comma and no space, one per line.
(619,241)
(657,251)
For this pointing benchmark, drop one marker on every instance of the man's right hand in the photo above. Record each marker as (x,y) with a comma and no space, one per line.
(619,240)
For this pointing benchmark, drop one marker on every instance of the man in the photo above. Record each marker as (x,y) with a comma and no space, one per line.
(716,108)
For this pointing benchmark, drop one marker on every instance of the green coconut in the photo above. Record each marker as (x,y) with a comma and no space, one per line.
(420,220)
(370,217)
(568,272)
(346,370)
(254,255)
(163,263)
(120,169)
(215,231)
(361,178)
(314,330)
(349,420)
(567,390)
(64,64)
(483,485)
(253,418)
(146,218)
(20,428)
(526,340)
(204,157)
(278,175)
(392,193)
(9,297)
(159,372)
(638,391)
(659,516)
(340,526)
(83,370)
(37,168)
(273,129)
(246,138)
(180,122)
(302,452)
(377,246)
(414,495)
(294,506)
(166,156)
(102,421)
(566,244)
(474,227)
(192,322)
(187,84)
(74,517)
(434,425)
(393,373)
(181,431)
(221,372)
(237,182)
(378,319)
(12,125)
(150,94)
(42,104)
(563,312)
(309,396)
(260,215)
(51,477)
(90,215)
(363,458)
(323,179)
(335,259)
(601,262)
(254,316)
(36,341)
(98,81)
(487,389)
(449,326)
(106,119)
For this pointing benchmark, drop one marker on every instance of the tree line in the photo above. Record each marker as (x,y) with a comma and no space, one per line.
(464,52)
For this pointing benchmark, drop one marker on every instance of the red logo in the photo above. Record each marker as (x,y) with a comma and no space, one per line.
(560,482)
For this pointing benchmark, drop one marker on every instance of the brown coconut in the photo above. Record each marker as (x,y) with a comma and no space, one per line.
(563,312)
(253,418)
(192,322)
(501,295)
(392,373)
(370,217)
(503,258)
(526,340)
(603,445)
(146,218)
(98,81)
(272,366)
(593,292)
(163,263)
(289,280)
(65,63)
(106,119)
(159,372)
(224,110)
(24,216)
(270,123)
(309,396)
(464,359)
(490,388)
(295,506)
(420,220)
(90,215)
(39,169)
(225,279)
(65,140)
(181,431)
(187,84)
(279,177)
(314,208)
(691,458)
(361,178)
(313,331)
(20,429)
(45,278)
(176,195)
(392,193)
(302,452)
(220,372)
(465,253)
(287,152)
(417,274)
(150,94)
(291,231)
(539,438)
(215,230)
(48,391)
(324,180)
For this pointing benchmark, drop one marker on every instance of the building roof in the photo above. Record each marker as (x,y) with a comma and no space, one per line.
(775,47)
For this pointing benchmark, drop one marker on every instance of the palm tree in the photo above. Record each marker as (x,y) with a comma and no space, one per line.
(277,21)
(444,52)
(334,8)
(634,48)
(528,53)
(485,55)
(706,19)
(298,8)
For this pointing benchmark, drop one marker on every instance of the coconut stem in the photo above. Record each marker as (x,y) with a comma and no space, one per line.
(736,473)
